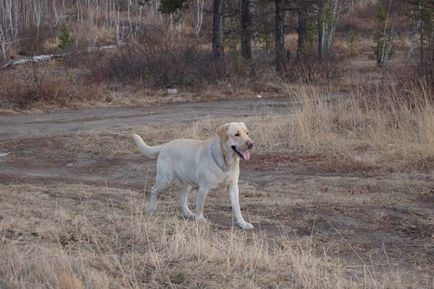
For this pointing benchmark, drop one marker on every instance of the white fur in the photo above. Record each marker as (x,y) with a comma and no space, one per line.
(206,164)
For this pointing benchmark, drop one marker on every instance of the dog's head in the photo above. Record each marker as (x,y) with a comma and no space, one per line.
(235,136)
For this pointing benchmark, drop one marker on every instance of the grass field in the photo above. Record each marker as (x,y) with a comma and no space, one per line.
(338,97)
(339,190)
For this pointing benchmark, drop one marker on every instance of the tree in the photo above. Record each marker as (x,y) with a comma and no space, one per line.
(327,19)
(171,6)
(383,38)
(198,20)
(246,26)
(65,38)
(422,13)
(217,32)
(320,30)
(279,35)
(302,33)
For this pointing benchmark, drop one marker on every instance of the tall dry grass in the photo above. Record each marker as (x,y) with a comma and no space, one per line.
(383,122)
(79,241)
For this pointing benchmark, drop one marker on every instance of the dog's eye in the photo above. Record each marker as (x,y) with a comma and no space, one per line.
(237,134)
(247,133)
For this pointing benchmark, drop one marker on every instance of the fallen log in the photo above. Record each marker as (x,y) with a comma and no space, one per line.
(49,57)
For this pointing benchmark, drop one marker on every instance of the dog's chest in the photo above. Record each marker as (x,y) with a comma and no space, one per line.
(222,179)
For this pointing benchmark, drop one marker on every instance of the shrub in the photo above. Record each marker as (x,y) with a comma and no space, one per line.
(32,40)
(351,38)
(18,92)
(158,59)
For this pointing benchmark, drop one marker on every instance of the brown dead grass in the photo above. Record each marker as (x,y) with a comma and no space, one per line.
(32,88)
(383,126)
(76,236)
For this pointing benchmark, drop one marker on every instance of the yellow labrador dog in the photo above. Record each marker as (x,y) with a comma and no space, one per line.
(206,164)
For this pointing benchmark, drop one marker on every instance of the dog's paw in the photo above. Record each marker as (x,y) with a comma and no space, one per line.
(188,215)
(245,226)
(200,219)
(150,211)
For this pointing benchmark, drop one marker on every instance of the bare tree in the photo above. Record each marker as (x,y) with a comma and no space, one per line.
(384,39)
(198,19)
(413,39)
(4,43)
(334,11)
(16,16)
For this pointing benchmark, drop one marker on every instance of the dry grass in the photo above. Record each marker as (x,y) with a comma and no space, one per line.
(383,128)
(33,87)
(384,124)
(75,236)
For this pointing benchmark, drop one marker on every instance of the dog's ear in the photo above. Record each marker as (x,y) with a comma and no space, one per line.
(222,132)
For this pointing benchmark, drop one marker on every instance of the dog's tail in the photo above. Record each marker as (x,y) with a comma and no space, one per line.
(149,151)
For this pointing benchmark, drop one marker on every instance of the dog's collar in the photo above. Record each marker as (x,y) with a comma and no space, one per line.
(223,168)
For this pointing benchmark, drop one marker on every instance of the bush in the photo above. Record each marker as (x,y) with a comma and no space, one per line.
(32,40)
(158,59)
(18,92)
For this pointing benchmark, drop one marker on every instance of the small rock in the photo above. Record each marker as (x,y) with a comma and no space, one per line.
(172,91)
(2,155)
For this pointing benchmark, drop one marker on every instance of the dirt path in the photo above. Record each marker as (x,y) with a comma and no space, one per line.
(44,157)
(65,122)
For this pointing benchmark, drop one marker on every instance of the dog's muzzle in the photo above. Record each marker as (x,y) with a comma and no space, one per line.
(245,155)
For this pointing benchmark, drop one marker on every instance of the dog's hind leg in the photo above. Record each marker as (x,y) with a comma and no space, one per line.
(155,192)
(183,201)
(162,181)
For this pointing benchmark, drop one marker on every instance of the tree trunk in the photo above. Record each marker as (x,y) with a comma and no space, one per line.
(302,32)
(217,30)
(331,29)
(413,39)
(254,29)
(246,29)
(320,28)
(200,5)
(279,36)
(422,51)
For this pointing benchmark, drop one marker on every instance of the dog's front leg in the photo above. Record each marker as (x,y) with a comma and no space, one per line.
(235,201)
(200,202)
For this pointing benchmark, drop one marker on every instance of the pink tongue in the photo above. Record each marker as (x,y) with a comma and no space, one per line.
(246,155)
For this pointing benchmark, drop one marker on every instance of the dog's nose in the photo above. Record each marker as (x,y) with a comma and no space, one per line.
(250,144)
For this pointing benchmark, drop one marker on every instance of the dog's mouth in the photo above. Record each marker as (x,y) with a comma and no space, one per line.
(245,155)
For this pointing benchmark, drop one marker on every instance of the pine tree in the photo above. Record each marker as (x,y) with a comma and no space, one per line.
(65,38)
